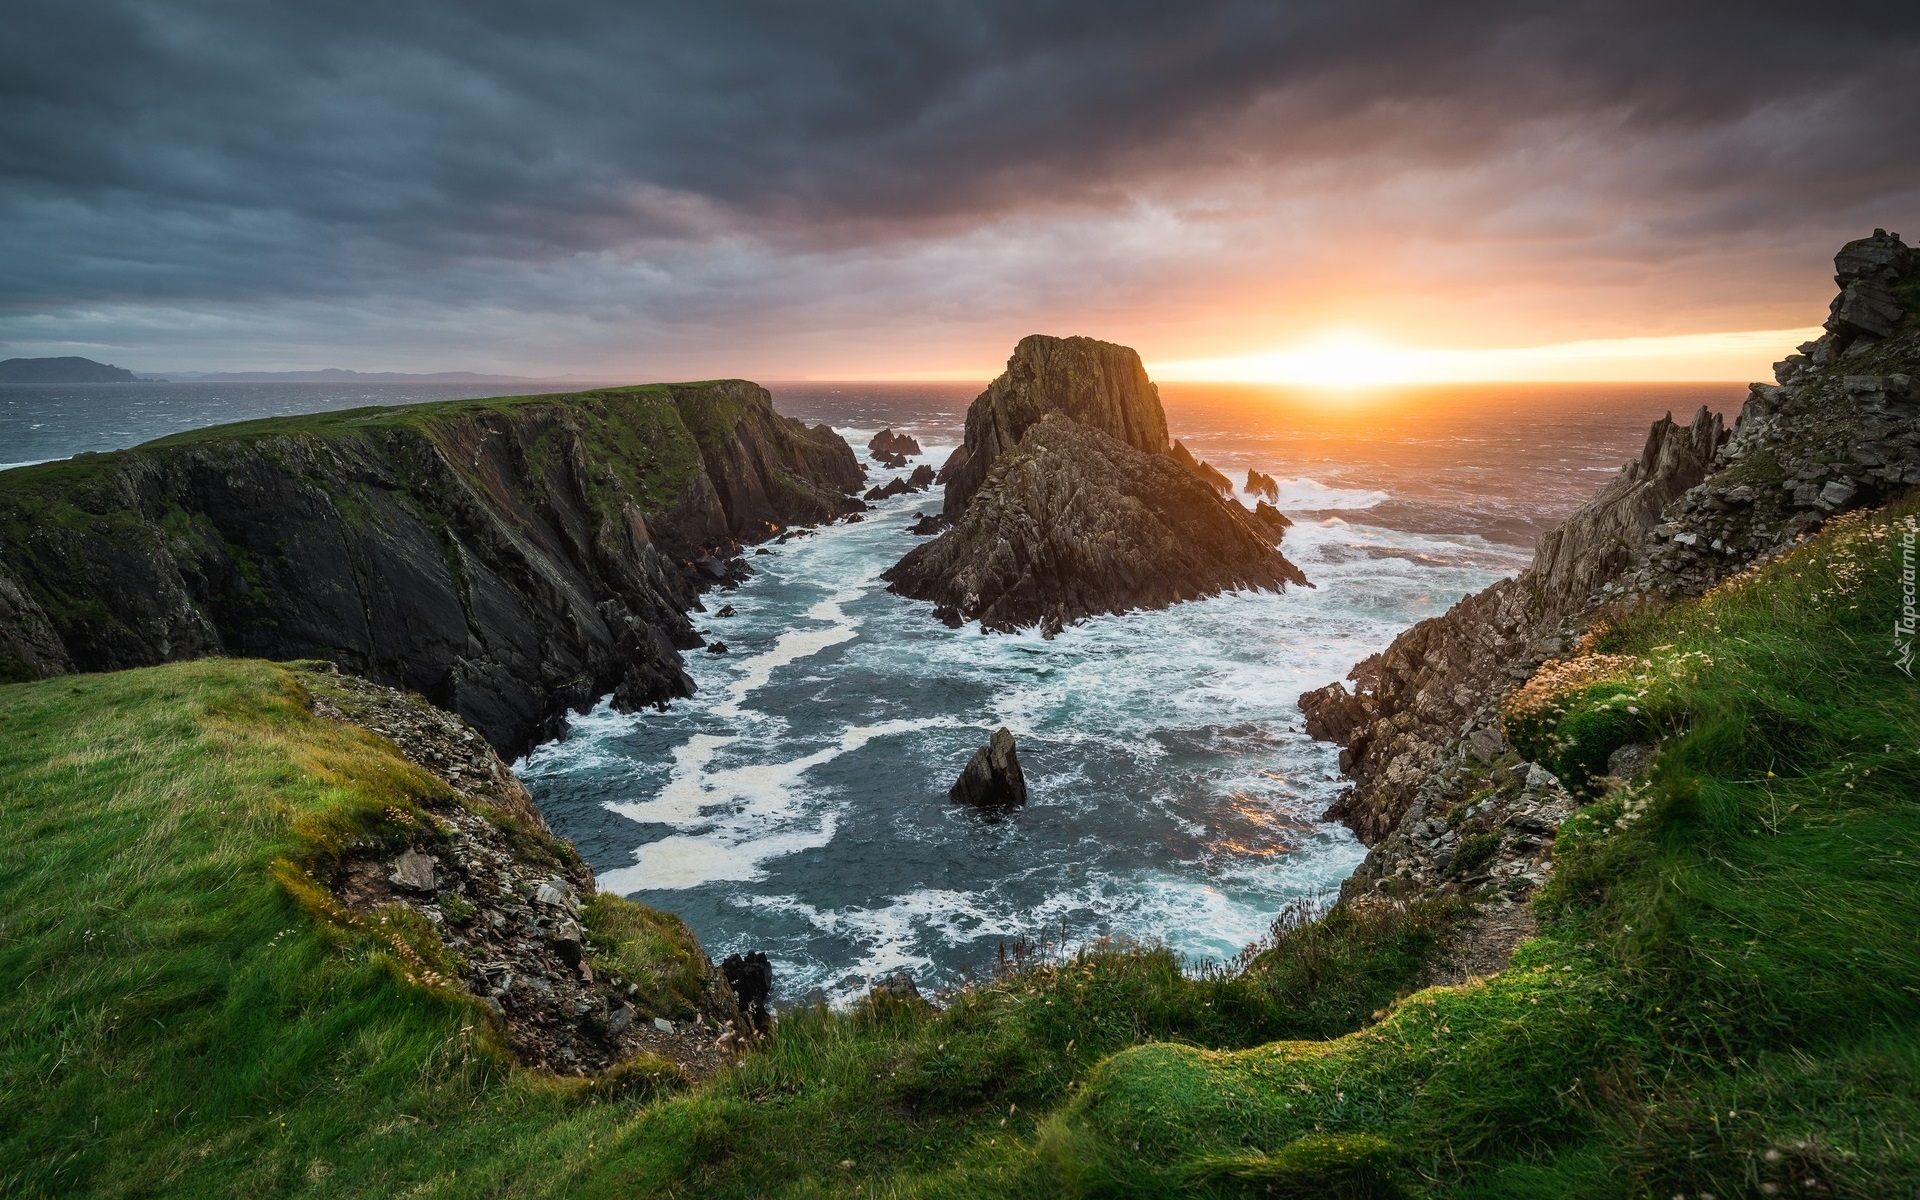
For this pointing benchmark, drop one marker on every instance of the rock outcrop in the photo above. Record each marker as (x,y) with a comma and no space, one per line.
(1840,430)
(1075,523)
(508,559)
(1096,384)
(891,444)
(1206,471)
(1067,501)
(1261,484)
(992,778)
(514,908)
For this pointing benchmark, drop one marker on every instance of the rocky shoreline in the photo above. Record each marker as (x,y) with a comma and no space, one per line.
(1421,732)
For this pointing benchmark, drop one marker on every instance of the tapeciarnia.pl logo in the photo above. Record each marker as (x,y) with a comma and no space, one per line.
(1909,619)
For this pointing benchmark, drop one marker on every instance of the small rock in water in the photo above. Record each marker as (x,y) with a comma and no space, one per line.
(992,778)
(726,610)
(716,647)
(927,525)
(414,872)
(921,478)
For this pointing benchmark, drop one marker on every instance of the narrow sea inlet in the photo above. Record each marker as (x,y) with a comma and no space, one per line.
(797,804)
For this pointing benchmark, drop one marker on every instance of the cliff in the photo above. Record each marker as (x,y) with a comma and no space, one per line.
(1840,430)
(1067,500)
(508,559)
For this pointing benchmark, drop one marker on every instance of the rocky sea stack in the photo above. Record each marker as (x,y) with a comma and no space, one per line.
(992,779)
(1068,500)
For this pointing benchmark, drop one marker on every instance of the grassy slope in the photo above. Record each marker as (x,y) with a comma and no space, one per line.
(1727,992)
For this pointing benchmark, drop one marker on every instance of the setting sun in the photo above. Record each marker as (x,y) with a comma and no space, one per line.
(1353,358)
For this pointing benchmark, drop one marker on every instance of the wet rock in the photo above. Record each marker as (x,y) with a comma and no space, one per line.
(992,778)
(726,610)
(921,479)
(896,486)
(1271,519)
(716,647)
(415,872)
(1259,484)
(927,525)
(1206,472)
(889,442)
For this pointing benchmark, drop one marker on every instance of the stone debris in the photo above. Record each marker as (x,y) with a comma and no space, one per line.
(508,906)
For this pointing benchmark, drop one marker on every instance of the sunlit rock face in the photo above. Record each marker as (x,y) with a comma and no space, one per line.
(1067,501)
(1098,384)
(1839,430)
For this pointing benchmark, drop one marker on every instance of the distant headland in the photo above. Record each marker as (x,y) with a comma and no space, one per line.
(63,370)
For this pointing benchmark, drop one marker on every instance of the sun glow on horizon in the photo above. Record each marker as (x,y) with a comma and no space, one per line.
(1346,358)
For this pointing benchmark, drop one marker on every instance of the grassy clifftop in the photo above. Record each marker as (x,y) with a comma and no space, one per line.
(1724,998)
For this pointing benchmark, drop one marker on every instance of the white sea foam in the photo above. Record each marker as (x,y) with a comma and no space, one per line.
(796,803)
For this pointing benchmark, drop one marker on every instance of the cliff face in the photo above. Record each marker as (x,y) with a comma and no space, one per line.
(1840,430)
(1067,500)
(508,559)
(1098,384)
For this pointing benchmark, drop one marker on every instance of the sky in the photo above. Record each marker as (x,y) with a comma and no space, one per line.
(781,190)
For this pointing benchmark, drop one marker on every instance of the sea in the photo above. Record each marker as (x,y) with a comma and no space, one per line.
(797,804)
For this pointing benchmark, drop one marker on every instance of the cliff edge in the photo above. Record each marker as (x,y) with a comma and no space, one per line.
(1839,430)
(508,559)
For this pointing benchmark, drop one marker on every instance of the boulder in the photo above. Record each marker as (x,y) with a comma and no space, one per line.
(992,778)
(415,872)
(888,442)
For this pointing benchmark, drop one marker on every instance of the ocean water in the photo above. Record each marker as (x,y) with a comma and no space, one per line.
(797,804)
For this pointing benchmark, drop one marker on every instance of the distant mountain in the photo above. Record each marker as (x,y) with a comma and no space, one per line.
(337,375)
(62,370)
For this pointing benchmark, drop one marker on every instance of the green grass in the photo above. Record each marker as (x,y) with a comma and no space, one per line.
(1724,998)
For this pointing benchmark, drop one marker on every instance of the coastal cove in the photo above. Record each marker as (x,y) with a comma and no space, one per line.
(797,802)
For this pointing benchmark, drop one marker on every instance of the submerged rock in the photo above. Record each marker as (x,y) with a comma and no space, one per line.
(1067,500)
(992,778)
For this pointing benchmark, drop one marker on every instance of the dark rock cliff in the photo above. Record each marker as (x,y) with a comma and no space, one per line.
(508,559)
(1067,500)
(1840,429)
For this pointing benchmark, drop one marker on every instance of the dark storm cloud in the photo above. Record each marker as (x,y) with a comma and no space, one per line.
(221,151)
